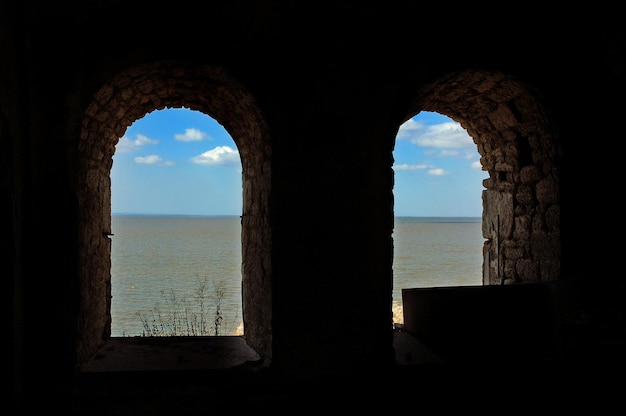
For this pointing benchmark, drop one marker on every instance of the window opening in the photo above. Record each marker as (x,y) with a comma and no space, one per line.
(176,245)
(437,207)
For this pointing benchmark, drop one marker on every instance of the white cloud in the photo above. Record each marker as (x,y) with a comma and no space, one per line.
(152,160)
(447,139)
(221,155)
(437,172)
(444,136)
(409,128)
(406,166)
(449,153)
(126,145)
(191,135)
(476,165)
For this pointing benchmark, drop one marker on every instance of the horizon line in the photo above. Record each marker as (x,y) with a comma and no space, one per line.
(239,215)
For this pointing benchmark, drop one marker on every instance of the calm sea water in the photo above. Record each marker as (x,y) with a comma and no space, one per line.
(174,273)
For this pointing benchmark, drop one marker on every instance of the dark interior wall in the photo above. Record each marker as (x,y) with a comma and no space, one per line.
(9,256)
(582,92)
(337,74)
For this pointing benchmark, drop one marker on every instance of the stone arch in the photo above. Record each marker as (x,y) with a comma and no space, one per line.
(127,97)
(520,150)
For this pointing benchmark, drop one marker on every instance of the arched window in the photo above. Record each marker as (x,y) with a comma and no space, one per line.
(126,98)
(176,206)
(520,151)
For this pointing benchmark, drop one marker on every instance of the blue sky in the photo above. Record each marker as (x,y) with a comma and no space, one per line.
(179,161)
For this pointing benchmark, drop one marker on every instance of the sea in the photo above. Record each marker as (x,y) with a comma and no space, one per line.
(181,275)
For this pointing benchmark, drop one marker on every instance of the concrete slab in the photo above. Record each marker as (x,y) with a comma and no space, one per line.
(172,353)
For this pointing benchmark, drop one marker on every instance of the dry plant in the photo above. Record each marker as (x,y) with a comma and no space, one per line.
(182,318)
